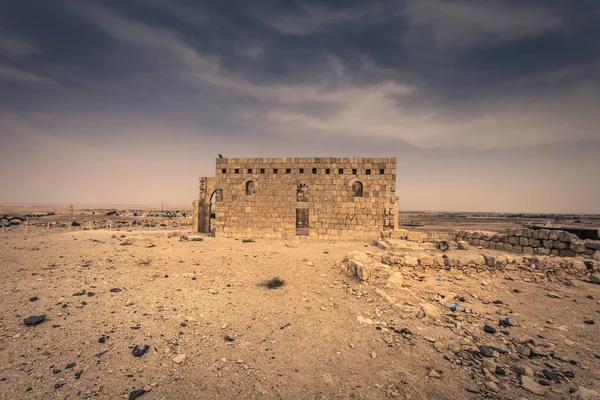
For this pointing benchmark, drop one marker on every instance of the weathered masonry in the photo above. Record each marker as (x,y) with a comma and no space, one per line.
(334,198)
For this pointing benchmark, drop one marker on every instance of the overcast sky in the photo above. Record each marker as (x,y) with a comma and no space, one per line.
(487,105)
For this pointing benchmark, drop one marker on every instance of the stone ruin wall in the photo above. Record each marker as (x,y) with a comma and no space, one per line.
(543,242)
(333,213)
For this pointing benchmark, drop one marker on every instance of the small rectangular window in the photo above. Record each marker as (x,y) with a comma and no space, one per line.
(262,170)
(341,171)
(327,171)
(368,172)
(288,170)
(223,171)
(274,170)
(249,170)
(301,170)
(381,171)
(354,171)
(314,170)
(237,170)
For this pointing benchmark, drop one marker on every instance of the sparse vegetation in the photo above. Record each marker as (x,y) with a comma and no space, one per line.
(247,240)
(274,283)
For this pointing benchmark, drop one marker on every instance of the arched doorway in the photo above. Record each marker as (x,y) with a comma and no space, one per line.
(215,197)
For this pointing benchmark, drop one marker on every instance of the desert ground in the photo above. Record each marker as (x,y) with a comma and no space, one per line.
(214,329)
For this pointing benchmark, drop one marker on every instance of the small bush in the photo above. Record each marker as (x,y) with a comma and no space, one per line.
(274,283)
(247,240)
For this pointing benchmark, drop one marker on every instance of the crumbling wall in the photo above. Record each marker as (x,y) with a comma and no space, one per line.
(531,241)
(261,196)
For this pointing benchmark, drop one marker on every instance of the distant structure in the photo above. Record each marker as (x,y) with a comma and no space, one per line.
(333,198)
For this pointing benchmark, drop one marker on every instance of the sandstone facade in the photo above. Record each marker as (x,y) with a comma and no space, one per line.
(333,198)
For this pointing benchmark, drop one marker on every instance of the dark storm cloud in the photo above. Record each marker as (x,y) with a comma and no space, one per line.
(436,79)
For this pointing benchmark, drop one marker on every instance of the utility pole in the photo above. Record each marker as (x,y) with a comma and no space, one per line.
(161,206)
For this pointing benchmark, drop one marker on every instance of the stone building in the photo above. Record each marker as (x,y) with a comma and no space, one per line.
(333,198)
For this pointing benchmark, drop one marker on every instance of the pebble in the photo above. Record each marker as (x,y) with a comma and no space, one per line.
(34,298)
(489,329)
(136,394)
(485,351)
(178,359)
(34,320)
(589,321)
(434,374)
(139,351)
(492,386)
(373,355)
(115,290)
(528,384)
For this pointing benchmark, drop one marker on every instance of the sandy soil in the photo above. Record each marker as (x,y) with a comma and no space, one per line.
(204,299)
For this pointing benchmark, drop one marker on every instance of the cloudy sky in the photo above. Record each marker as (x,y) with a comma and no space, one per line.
(487,105)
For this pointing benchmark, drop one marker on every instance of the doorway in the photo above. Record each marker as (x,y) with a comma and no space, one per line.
(302,222)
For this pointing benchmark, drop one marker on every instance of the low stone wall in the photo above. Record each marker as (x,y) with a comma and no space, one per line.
(530,241)
(388,266)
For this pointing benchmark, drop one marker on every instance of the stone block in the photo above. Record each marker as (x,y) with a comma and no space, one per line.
(523,241)
(543,251)
(544,233)
(517,248)
(565,237)
(536,234)
(508,247)
(528,233)
(553,235)
(592,244)
(566,253)
(463,245)
(513,240)
(577,247)
(596,255)
(425,260)
(535,242)
(410,261)
(475,242)
(500,246)
(547,243)
(528,250)
(559,245)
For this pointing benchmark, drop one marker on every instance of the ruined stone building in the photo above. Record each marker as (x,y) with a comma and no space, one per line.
(334,198)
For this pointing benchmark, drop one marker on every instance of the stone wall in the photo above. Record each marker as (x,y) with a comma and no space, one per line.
(259,197)
(531,241)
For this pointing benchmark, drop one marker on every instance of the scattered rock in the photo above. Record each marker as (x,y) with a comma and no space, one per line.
(373,355)
(396,278)
(34,298)
(489,329)
(136,394)
(589,321)
(485,351)
(34,320)
(528,384)
(139,351)
(178,359)
(115,290)
(524,370)
(581,393)
(434,374)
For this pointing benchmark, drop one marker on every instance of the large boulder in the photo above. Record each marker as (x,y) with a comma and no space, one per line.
(462,245)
